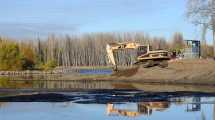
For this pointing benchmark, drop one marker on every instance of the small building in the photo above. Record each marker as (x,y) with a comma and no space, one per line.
(192,49)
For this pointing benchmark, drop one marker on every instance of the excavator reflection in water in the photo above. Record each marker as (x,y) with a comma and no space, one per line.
(146,108)
(143,108)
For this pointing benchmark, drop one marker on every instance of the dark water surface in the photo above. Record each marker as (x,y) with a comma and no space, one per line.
(52,99)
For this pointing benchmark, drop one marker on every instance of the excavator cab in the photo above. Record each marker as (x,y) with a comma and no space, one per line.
(143,49)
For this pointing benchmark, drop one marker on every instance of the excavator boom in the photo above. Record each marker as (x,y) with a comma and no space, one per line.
(113,47)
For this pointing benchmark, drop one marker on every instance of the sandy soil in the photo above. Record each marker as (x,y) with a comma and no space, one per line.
(178,72)
(181,71)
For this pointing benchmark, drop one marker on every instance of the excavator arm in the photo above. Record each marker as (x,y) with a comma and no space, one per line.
(113,47)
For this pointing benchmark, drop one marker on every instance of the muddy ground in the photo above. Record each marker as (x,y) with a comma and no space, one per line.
(200,72)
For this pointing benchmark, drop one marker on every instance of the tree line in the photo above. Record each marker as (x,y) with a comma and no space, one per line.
(78,50)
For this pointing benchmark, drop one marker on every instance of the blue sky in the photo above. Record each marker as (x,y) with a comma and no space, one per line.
(32,18)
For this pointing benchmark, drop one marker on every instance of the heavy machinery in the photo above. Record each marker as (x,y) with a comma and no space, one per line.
(145,56)
(143,108)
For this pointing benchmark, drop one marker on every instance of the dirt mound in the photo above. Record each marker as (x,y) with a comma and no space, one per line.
(201,72)
(126,72)
(181,71)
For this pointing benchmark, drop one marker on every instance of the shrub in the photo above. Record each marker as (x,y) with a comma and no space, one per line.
(13,58)
(49,65)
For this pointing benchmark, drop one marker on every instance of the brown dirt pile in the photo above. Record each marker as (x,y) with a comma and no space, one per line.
(126,72)
(181,71)
(197,72)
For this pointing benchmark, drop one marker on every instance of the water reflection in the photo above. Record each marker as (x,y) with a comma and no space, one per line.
(103,100)
(143,108)
(111,105)
(193,104)
(44,84)
(159,110)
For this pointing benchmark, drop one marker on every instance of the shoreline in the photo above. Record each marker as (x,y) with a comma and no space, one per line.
(116,85)
(181,72)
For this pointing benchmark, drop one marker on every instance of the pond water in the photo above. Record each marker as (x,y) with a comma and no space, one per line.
(23,99)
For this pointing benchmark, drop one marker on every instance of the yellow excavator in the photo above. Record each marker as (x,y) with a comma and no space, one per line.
(143,108)
(145,56)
